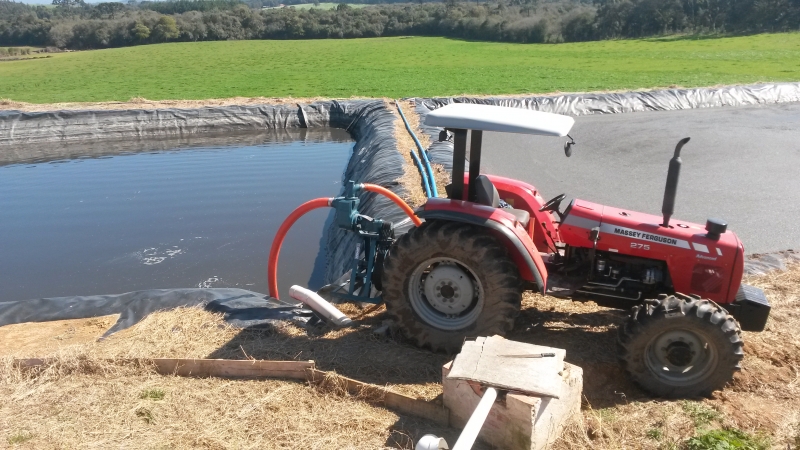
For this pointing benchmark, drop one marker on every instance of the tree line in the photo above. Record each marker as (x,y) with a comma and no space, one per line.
(73,24)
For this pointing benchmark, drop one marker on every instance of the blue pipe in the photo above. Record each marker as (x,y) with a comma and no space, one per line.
(422,153)
(425,183)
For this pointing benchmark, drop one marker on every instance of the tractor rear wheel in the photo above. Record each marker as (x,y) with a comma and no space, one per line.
(680,346)
(445,281)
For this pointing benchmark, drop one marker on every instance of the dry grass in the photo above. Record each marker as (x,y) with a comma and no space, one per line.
(100,405)
(354,352)
(411,179)
(25,339)
(85,399)
(80,402)
(763,399)
(439,173)
(143,103)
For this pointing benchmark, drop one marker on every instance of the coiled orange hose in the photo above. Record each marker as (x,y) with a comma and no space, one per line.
(275,250)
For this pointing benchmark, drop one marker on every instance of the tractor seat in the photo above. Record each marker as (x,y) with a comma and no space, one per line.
(486,194)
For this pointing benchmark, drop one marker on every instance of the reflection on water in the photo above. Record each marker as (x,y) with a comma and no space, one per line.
(111,218)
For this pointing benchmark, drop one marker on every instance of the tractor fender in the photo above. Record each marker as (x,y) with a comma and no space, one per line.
(533,261)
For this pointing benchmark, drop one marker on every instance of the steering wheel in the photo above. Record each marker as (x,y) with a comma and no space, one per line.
(554,204)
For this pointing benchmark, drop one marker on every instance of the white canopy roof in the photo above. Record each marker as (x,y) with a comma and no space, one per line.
(499,118)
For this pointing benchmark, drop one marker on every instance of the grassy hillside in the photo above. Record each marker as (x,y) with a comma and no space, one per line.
(395,67)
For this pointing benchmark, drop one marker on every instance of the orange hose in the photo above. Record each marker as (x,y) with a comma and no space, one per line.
(275,250)
(393,197)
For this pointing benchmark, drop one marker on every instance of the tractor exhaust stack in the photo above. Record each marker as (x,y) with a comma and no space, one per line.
(671,190)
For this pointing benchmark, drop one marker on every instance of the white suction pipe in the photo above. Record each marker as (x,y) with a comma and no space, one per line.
(431,442)
(319,305)
(476,420)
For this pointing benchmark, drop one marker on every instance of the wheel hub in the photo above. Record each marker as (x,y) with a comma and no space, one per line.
(678,349)
(679,354)
(449,289)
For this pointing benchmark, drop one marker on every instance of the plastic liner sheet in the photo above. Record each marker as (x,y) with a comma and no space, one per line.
(615,103)
(241,308)
(18,127)
(99,148)
(375,158)
(765,263)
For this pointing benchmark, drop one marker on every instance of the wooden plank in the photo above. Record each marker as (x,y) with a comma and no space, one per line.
(298,370)
(230,368)
(437,414)
(390,399)
(482,361)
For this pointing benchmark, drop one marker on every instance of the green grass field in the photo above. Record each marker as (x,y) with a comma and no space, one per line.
(395,67)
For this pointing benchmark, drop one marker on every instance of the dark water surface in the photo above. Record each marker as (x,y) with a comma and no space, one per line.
(116,217)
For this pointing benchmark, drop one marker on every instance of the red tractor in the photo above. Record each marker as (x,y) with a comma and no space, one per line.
(463,271)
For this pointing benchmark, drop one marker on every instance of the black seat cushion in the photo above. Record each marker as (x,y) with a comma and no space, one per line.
(485,192)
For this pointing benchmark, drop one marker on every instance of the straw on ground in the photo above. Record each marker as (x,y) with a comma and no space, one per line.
(82,400)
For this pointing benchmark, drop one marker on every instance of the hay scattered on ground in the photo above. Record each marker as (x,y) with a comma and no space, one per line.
(441,176)
(86,399)
(411,179)
(26,339)
(195,333)
(101,405)
(764,398)
(143,103)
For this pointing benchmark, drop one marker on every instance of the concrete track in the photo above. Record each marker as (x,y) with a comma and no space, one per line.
(742,165)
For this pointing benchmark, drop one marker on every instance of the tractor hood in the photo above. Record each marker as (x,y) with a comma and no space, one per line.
(710,264)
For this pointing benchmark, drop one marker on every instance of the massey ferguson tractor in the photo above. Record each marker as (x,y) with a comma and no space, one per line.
(461,273)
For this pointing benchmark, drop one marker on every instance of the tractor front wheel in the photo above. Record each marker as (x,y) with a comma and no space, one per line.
(680,346)
(445,281)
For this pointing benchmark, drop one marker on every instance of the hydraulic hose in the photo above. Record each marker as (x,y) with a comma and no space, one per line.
(425,183)
(393,197)
(275,250)
(423,154)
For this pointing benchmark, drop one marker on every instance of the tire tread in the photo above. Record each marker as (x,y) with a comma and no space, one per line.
(502,283)
(641,327)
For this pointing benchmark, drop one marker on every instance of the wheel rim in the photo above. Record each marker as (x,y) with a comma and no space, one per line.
(680,357)
(445,293)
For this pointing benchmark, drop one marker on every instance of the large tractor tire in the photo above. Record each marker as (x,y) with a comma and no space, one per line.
(680,346)
(445,281)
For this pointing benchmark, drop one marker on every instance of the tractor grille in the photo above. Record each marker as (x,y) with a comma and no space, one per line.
(707,279)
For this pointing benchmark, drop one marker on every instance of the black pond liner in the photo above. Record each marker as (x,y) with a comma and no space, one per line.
(375,159)
(241,308)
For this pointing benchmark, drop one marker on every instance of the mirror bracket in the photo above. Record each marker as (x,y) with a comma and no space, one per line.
(568,146)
